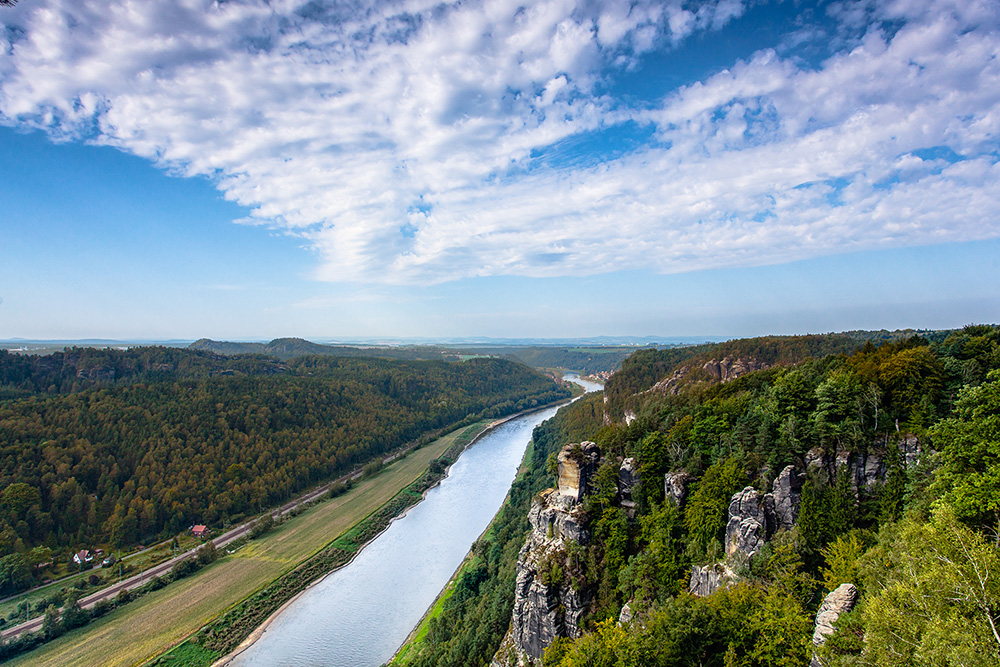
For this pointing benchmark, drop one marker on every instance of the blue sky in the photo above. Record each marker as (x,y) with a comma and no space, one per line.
(250,169)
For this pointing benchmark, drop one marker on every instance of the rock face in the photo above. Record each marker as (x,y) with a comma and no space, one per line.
(910,447)
(787,494)
(753,519)
(864,469)
(670,385)
(675,487)
(625,616)
(815,458)
(747,530)
(97,374)
(546,605)
(730,369)
(722,370)
(577,464)
(556,516)
(837,602)
(628,479)
(707,579)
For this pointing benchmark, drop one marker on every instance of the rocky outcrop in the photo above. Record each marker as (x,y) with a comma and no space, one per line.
(865,470)
(670,385)
(558,517)
(706,579)
(815,458)
(577,465)
(97,374)
(747,529)
(910,449)
(787,495)
(546,605)
(753,519)
(730,368)
(675,487)
(720,370)
(626,615)
(837,602)
(628,480)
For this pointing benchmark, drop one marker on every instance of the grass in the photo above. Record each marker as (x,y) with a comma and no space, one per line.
(153,624)
(188,654)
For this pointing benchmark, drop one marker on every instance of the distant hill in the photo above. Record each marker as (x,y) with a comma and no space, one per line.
(289,348)
(583,359)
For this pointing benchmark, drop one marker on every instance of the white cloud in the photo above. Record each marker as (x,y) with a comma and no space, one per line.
(398,139)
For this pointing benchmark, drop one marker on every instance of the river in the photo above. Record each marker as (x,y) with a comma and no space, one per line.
(359,615)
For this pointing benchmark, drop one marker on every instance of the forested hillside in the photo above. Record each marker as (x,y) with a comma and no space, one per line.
(717,521)
(79,368)
(133,460)
(670,370)
(586,360)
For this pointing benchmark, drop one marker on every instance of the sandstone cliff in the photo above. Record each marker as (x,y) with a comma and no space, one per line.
(753,520)
(837,602)
(865,469)
(547,604)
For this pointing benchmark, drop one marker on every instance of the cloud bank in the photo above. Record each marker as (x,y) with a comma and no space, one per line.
(420,142)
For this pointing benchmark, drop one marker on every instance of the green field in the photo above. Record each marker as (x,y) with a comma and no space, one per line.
(156,622)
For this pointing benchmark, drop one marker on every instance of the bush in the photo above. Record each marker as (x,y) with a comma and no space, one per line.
(339,488)
(183,568)
(373,468)
(207,553)
(101,608)
(261,526)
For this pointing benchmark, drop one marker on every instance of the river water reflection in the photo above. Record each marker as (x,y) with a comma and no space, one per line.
(359,615)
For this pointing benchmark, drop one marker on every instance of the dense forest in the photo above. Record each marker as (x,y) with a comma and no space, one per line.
(178,437)
(898,448)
